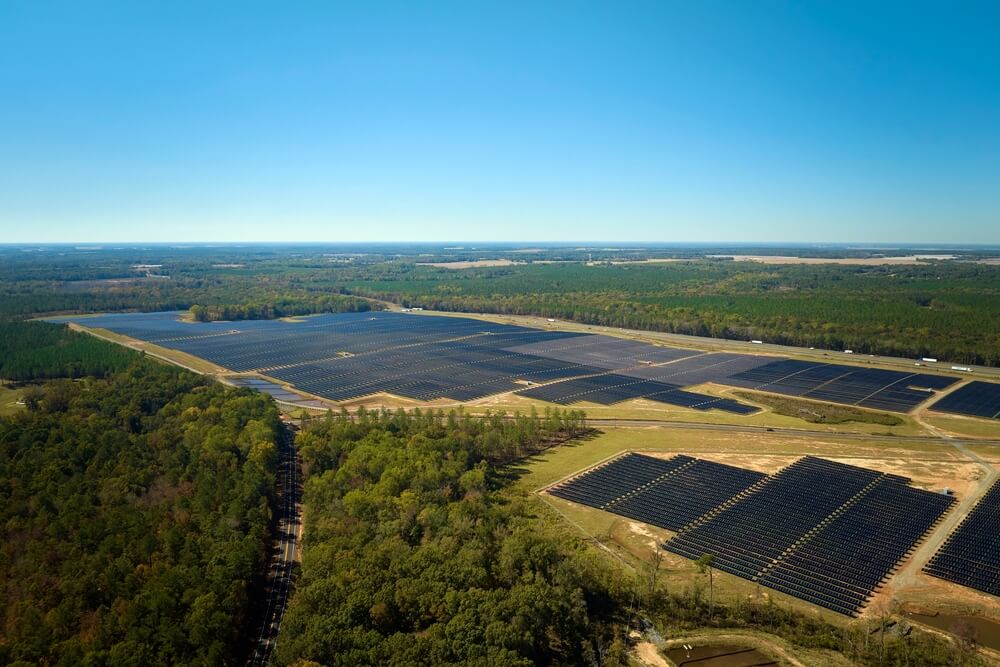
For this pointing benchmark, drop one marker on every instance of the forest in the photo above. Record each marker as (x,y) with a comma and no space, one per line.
(943,310)
(39,351)
(412,557)
(134,519)
(422,549)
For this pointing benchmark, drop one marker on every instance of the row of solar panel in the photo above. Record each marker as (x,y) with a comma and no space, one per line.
(613,388)
(836,383)
(971,555)
(669,493)
(976,399)
(822,531)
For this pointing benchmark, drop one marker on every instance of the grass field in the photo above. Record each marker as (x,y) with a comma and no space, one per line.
(970,426)
(8,399)
(816,412)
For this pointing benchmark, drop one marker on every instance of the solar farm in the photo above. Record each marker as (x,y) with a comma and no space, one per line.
(819,530)
(971,555)
(356,356)
(833,534)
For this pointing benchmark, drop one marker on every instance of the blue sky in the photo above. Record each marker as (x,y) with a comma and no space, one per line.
(535,121)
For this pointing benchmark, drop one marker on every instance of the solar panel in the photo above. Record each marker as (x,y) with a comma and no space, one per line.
(346,356)
(976,399)
(971,554)
(822,531)
(876,388)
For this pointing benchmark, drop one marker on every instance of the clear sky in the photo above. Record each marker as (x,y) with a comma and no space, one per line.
(505,121)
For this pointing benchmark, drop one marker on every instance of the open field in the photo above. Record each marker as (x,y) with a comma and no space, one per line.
(470,264)
(963,426)
(930,465)
(9,396)
(858,261)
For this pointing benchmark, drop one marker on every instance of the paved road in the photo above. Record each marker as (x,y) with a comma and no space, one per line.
(284,555)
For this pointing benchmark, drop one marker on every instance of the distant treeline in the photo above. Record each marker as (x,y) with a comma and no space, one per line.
(40,350)
(331,303)
(949,311)
(134,516)
(243,297)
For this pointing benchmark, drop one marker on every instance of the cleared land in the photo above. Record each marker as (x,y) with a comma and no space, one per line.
(470,264)
(9,397)
(860,261)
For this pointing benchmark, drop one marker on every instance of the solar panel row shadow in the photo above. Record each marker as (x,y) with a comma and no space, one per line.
(865,387)
(822,531)
(976,399)
(971,554)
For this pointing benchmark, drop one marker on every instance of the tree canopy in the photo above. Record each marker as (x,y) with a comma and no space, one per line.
(134,515)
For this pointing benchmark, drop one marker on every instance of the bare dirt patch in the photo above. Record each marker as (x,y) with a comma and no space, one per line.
(470,264)
(860,261)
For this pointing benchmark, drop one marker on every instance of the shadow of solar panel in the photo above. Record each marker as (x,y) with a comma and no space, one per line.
(976,399)
(971,554)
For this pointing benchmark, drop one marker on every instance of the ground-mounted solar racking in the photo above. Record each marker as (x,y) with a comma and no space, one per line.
(350,356)
(976,399)
(668,493)
(611,388)
(606,483)
(688,492)
(970,556)
(876,388)
(822,531)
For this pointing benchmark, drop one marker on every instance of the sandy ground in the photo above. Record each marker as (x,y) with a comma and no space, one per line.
(861,261)
(647,653)
(470,265)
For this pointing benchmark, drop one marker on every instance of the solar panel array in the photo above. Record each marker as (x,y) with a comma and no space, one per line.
(866,387)
(669,493)
(612,388)
(822,531)
(353,355)
(604,484)
(971,554)
(976,399)
(690,491)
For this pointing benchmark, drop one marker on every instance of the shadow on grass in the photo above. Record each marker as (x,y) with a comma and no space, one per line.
(515,470)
